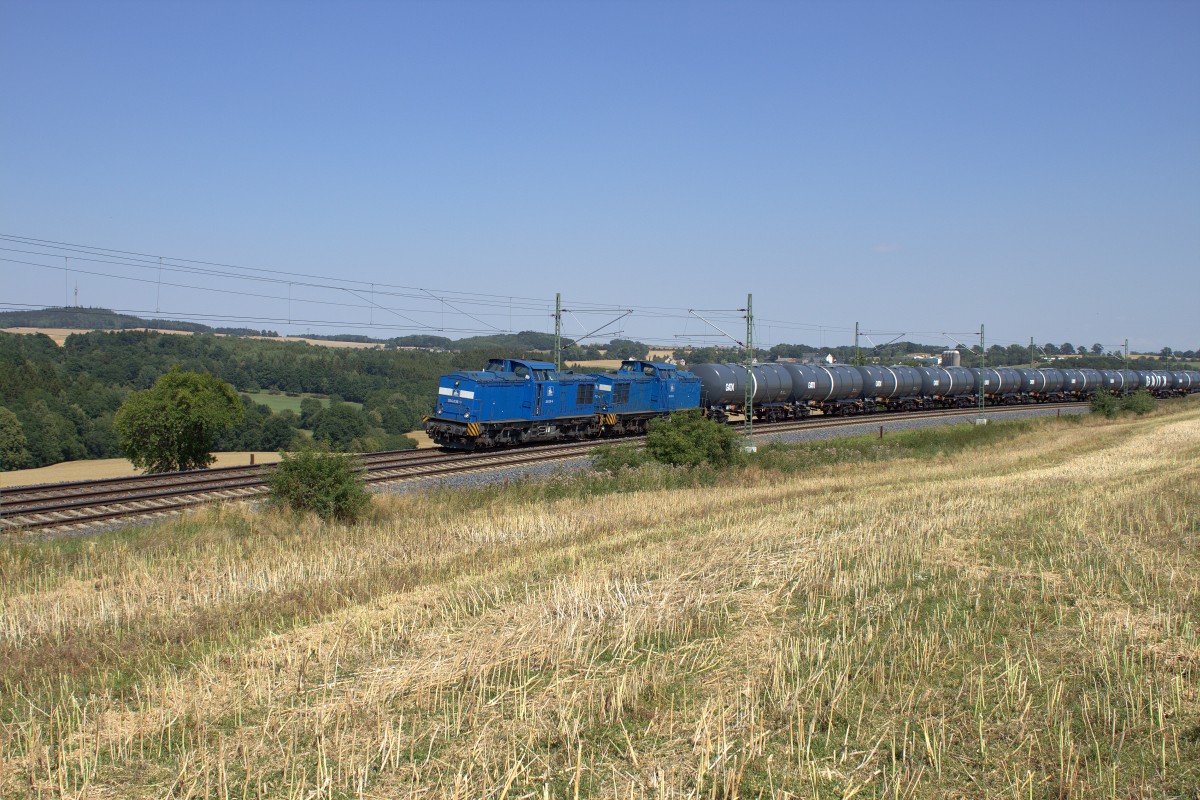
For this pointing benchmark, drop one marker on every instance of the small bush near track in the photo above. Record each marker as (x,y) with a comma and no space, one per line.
(327,484)
(687,438)
(613,457)
(1111,405)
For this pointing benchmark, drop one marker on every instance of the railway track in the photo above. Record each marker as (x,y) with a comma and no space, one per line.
(78,506)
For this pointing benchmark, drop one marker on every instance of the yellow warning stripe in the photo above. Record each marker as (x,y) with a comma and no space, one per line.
(472,429)
(610,419)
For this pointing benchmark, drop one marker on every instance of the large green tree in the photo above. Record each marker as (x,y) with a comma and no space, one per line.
(13,454)
(172,425)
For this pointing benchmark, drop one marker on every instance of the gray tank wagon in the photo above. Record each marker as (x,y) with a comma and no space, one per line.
(1033,381)
(1092,380)
(1055,380)
(896,388)
(1153,380)
(726,383)
(1166,380)
(945,382)
(1008,384)
(822,384)
(1133,381)
(720,384)
(1073,381)
(986,378)
(886,382)
(723,386)
(1120,381)
(773,383)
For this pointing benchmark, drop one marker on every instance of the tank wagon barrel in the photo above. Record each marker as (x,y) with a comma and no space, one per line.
(815,383)
(725,384)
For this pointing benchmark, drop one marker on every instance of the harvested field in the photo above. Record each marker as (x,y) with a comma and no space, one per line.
(97,468)
(421,438)
(595,364)
(1012,620)
(59,336)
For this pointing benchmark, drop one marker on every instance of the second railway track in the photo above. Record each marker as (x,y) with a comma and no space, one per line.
(79,506)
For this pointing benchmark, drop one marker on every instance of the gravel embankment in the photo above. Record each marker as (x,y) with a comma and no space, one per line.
(488,477)
(911,422)
(898,423)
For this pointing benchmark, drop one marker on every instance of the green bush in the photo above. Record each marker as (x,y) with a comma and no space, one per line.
(1138,402)
(327,484)
(688,438)
(1111,405)
(1106,404)
(613,457)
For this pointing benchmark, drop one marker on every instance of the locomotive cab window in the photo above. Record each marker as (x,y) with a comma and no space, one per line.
(621,393)
(584,394)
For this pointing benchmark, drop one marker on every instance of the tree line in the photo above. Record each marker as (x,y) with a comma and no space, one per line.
(59,403)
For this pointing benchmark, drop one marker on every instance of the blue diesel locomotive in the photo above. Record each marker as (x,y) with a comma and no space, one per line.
(515,401)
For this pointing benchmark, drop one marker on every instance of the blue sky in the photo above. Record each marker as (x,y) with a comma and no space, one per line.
(918,167)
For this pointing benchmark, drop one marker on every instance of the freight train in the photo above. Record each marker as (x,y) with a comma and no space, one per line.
(517,401)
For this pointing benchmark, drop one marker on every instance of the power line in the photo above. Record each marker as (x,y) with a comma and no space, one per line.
(478,307)
(152,260)
(254,295)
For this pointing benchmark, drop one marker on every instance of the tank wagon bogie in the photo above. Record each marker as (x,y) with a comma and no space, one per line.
(516,401)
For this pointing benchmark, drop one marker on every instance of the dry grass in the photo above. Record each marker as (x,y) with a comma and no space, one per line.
(1013,621)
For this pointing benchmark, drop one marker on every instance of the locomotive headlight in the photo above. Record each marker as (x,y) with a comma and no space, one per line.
(466,415)
(439,409)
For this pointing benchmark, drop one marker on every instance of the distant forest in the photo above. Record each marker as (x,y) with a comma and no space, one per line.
(57,403)
(84,319)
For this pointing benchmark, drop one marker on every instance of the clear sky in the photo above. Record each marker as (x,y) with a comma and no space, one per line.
(918,167)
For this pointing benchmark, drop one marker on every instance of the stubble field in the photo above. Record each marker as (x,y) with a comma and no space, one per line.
(1013,620)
